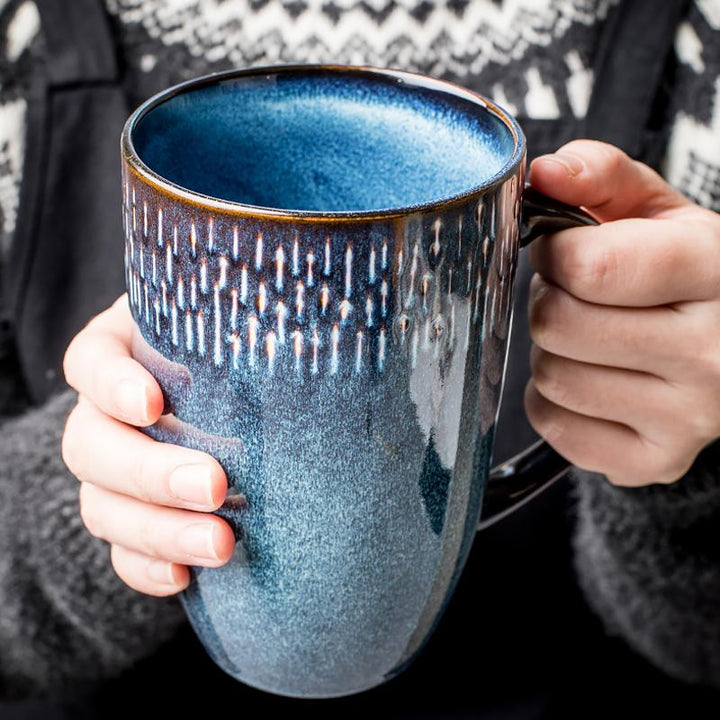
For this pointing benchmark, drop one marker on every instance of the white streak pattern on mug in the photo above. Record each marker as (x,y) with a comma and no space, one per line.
(193,239)
(243,284)
(310,266)
(271,347)
(168,264)
(345,309)
(181,292)
(297,347)
(203,277)
(315,343)
(348,270)
(410,266)
(252,338)
(235,341)
(279,266)
(262,298)
(233,309)
(223,262)
(173,313)
(201,333)
(188,331)
(217,357)
(156,308)
(334,341)
(163,287)
(281,315)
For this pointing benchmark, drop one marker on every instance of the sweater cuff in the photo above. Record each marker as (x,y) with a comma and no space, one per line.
(648,561)
(679,504)
(67,620)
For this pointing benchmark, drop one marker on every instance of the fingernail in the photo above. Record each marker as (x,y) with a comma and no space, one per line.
(131,397)
(192,483)
(572,163)
(197,541)
(160,571)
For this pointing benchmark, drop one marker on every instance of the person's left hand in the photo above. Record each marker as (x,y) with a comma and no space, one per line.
(625,320)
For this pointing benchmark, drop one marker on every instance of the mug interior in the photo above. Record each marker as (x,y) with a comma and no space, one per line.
(323,140)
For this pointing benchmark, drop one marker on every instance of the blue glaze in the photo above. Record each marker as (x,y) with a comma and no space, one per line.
(346,375)
(304,142)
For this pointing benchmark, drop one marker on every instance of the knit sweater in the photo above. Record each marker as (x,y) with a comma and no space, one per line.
(646,558)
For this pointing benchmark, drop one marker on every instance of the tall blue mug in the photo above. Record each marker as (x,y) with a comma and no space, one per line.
(320,265)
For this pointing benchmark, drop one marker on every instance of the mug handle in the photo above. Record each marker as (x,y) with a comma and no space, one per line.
(521,478)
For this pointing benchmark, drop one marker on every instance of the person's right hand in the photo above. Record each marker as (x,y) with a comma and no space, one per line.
(149,500)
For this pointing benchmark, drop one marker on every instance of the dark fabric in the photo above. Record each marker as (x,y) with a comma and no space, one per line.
(71,189)
(636,44)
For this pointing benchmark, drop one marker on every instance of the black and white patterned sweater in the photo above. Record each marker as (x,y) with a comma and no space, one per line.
(644,557)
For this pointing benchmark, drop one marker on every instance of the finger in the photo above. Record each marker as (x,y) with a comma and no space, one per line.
(603,179)
(98,363)
(108,453)
(147,574)
(180,536)
(639,400)
(641,339)
(625,456)
(633,263)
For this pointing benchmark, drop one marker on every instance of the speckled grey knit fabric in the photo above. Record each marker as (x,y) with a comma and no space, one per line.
(648,560)
(66,619)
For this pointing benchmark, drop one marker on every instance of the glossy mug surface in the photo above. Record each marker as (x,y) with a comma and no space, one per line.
(319,262)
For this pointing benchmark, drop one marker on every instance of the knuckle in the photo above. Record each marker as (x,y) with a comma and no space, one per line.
(142,475)
(547,376)
(666,465)
(151,540)
(591,268)
(541,416)
(542,314)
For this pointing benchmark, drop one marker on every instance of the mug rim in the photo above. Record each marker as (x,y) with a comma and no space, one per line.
(175,191)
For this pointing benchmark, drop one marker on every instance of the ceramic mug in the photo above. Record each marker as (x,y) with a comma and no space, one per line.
(320,264)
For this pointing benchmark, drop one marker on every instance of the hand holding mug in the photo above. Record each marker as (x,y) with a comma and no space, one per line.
(624,318)
(151,501)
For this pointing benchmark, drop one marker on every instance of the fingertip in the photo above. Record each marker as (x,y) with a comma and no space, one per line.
(224,540)
(136,395)
(180,576)
(550,173)
(218,485)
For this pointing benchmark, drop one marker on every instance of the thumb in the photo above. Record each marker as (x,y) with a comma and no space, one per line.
(603,179)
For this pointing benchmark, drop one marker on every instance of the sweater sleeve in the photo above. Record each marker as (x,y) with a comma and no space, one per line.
(648,560)
(67,620)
